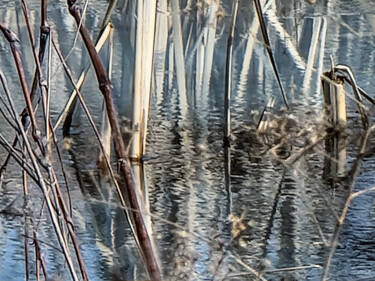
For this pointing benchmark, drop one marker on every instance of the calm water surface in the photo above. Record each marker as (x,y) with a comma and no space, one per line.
(200,194)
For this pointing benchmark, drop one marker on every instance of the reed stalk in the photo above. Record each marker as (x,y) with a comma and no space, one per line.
(147,61)
(105,29)
(228,75)
(317,23)
(45,154)
(179,57)
(135,151)
(199,57)
(120,191)
(357,95)
(144,49)
(13,40)
(106,127)
(37,58)
(266,40)
(69,108)
(105,87)
(42,184)
(161,42)
(351,195)
(209,49)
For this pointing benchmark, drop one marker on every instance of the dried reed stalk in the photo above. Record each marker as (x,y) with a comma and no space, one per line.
(268,47)
(36,135)
(45,188)
(105,87)
(350,183)
(228,75)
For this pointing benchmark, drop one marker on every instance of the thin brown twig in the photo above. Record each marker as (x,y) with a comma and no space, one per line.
(351,181)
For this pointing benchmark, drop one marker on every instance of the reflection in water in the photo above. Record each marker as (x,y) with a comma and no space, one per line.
(193,186)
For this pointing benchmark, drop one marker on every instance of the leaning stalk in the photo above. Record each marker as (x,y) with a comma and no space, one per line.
(105,87)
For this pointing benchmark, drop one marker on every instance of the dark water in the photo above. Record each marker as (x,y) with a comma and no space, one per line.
(217,213)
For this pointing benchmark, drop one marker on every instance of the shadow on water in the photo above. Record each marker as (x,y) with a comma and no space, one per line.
(231,213)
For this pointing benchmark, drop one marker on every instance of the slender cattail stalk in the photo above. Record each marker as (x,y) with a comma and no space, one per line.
(351,195)
(268,47)
(228,75)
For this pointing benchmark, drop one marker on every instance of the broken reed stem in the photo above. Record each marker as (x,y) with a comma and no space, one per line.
(105,87)
(111,7)
(334,99)
(358,97)
(228,75)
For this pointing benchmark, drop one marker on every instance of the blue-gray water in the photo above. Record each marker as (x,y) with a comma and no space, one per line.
(197,191)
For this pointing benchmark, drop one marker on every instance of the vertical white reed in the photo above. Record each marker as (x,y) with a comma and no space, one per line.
(105,131)
(161,42)
(148,56)
(228,75)
(135,151)
(322,41)
(312,52)
(179,56)
(209,51)
(144,49)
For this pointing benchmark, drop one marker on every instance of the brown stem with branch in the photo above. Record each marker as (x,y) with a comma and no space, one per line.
(105,87)
(351,181)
